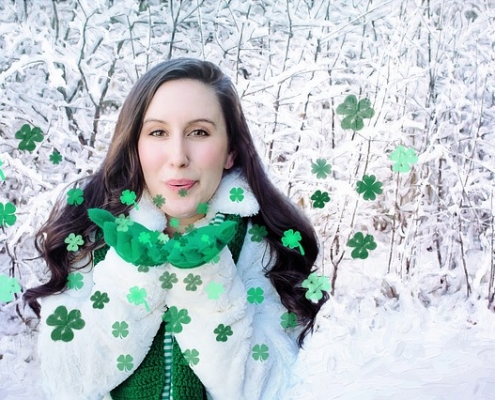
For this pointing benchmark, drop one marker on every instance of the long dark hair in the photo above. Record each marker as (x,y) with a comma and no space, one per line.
(121,170)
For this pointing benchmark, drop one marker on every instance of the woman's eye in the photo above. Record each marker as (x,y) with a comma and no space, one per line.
(157,133)
(199,132)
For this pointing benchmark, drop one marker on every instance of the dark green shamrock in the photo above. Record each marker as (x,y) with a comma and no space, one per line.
(288,320)
(319,199)
(202,208)
(182,192)
(257,233)
(125,362)
(65,322)
(99,299)
(159,200)
(120,329)
(138,296)
(28,137)
(192,282)
(315,286)
(362,245)
(145,238)
(8,287)
(73,242)
(292,240)
(174,319)
(369,187)
(260,352)
(223,332)
(320,168)
(191,356)
(56,157)
(75,197)
(214,290)
(355,112)
(255,295)
(403,157)
(7,214)
(236,195)
(168,279)
(75,281)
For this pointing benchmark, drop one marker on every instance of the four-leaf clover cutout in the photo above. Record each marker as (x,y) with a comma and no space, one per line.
(255,295)
(8,287)
(125,362)
(56,157)
(223,332)
(7,214)
(159,200)
(354,112)
(191,356)
(192,282)
(403,157)
(362,245)
(260,352)
(168,279)
(175,318)
(320,198)
(120,329)
(315,286)
(65,322)
(99,299)
(28,137)
(320,168)
(369,187)
(236,195)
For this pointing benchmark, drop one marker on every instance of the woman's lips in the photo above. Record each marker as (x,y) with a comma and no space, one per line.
(178,184)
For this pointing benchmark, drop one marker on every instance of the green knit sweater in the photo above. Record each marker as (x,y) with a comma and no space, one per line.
(148,380)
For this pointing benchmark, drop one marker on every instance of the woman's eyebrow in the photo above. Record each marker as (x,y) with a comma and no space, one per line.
(206,120)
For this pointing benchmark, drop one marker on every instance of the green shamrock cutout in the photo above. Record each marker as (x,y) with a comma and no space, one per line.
(145,238)
(99,299)
(236,195)
(75,197)
(28,137)
(369,187)
(125,362)
(288,320)
(362,245)
(138,296)
(191,356)
(175,318)
(320,168)
(75,281)
(292,240)
(168,279)
(73,242)
(8,287)
(214,290)
(120,329)
(319,199)
(2,176)
(174,222)
(255,295)
(315,286)
(159,200)
(128,198)
(143,268)
(7,214)
(354,112)
(257,233)
(223,332)
(202,208)
(192,282)
(123,223)
(182,251)
(56,157)
(65,322)
(260,352)
(182,192)
(403,157)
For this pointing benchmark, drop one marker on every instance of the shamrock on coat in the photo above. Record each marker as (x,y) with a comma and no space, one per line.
(125,362)
(288,320)
(99,299)
(73,242)
(65,322)
(120,329)
(75,281)
(192,282)
(214,290)
(168,279)
(75,197)
(7,214)
(191,356)
(260,352)
(315,286)
(255,295)
(223,332)
(138,296)
(236,195)
(28,137)
(369,187)
(257,233)
(319,199)
(8,287)
(123,223)
(354,112)
(175,318)
(320,168)
(362,245)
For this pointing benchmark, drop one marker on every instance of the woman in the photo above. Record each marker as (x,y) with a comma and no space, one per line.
(182,145)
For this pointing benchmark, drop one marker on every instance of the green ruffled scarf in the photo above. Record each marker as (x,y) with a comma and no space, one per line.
(148,380)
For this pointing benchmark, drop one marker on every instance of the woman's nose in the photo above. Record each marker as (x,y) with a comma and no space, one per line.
(178,153)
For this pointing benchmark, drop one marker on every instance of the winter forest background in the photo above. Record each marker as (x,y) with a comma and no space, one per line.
(415,318)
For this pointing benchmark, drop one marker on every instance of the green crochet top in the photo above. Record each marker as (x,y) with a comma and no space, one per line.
(148,380)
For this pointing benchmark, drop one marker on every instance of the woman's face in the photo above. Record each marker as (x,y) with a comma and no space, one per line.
(183,147)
